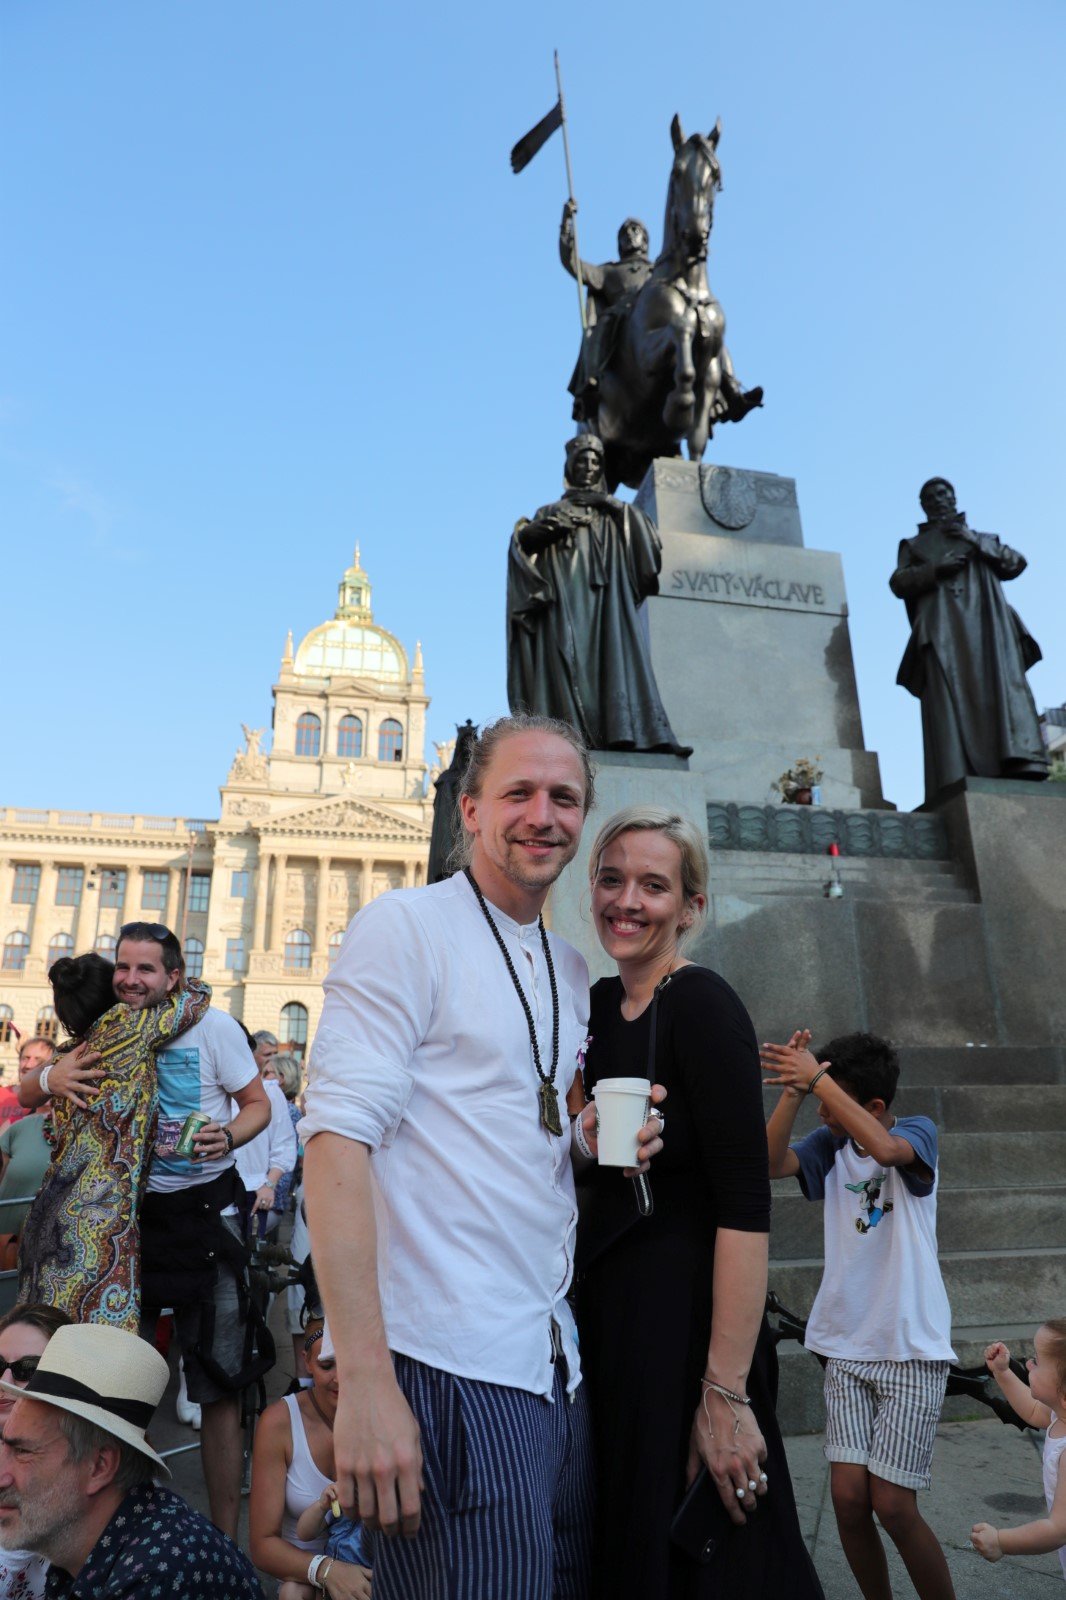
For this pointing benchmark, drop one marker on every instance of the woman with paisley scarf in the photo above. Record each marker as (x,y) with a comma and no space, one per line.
(80,1246)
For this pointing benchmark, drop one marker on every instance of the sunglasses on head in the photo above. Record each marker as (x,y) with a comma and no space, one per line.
(21,1370)
(155,931)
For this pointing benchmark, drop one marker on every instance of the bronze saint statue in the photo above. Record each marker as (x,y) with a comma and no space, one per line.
(968,651)
(659,371)
(446,828)
(577,645)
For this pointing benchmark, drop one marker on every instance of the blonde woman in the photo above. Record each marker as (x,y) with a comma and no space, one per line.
(679,1376)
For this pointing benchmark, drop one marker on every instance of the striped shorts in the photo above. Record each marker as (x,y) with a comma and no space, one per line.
(507,1507)
(883,1415)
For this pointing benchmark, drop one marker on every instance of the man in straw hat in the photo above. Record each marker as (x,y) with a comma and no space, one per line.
(77,1480)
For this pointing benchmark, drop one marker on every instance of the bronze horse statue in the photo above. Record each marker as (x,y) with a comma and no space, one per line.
(668,375)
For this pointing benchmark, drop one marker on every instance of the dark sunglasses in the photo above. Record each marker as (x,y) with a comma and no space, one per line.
(21,1370)
(155,931)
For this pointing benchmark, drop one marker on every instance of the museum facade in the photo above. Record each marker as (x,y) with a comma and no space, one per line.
(334,815)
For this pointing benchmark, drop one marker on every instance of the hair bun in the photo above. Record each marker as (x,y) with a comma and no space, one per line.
(64,973)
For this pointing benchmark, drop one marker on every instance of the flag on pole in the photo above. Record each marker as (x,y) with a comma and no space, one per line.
(527,147)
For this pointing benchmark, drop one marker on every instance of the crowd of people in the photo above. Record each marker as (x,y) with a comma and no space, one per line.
(537,1377)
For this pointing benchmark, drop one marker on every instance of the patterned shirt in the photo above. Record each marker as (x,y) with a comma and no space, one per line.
(157,1546)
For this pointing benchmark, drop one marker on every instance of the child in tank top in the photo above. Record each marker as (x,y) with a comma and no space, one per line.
(1041,1405)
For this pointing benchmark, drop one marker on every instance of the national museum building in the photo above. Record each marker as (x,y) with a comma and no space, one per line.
(335,814)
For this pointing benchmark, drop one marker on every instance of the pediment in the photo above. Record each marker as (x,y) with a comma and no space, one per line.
(344,817)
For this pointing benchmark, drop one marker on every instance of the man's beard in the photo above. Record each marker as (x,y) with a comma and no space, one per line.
(525,874)
(43,1520)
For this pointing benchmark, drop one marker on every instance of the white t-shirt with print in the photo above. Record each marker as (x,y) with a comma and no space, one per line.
(882,1297)
(198,1071)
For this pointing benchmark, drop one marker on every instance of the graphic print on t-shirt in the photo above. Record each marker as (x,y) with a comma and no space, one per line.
(870,1211)
(178,1073)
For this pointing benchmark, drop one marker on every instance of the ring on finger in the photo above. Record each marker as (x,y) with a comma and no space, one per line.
(741,1494)
(763,1478)
(752,1485)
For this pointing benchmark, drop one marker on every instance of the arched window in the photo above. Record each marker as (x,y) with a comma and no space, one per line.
(16,947)
(297,950)
(106,945)
(60,944)
(7,1018)
(335,942)
(390,740)
(350,738)
(47,1025)
(194,958)
(308,734)
(292,1030)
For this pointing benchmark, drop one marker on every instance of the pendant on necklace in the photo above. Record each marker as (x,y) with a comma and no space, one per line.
(549,1109)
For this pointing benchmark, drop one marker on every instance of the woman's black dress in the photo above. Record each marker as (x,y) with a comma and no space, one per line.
(644,1299)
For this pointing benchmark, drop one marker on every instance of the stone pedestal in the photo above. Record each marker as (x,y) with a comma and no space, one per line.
(749,636)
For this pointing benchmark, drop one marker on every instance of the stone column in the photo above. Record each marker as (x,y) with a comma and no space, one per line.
(262,891)
(410,869)
(84,930)
(170,910)
(366,883)
(321,905)
(277,904)
(46,893)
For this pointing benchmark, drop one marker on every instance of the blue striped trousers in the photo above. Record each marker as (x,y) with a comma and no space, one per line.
(507,1508)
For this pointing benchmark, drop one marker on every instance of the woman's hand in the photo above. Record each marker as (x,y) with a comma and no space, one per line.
(264,1197)
(345,1581)
(650,1137)
(733,1456)
(793,1063)
(73,1074)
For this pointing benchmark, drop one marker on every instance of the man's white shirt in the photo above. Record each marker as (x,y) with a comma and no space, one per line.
(274,1147)
(423,1055)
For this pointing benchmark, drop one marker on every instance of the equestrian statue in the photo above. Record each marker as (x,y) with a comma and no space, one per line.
(653,368)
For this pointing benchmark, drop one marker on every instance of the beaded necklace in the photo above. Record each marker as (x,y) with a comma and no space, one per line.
(547,1094)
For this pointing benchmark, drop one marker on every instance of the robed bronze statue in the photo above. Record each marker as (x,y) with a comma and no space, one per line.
(447,828)
(968,651)
(577,644)
(653,368)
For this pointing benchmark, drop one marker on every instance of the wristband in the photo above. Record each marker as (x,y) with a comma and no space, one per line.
(43,1079)
(819,1074)
(579,1137)
(313,1569)
(229,1141)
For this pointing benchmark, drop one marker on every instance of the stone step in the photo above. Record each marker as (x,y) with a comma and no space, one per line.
(980,1064)
(966,1219)
(756,891)
(1014,1161)
(758,874)
(1009,1286)
(801,1407)
(968,1108)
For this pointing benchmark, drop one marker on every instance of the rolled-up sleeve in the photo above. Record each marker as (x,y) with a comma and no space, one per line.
(380,995)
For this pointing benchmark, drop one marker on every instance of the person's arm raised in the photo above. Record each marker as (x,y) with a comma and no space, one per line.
(799,1070)
(71,1075)
(378,1452)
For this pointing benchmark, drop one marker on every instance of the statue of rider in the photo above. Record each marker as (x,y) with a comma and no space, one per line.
(612,288)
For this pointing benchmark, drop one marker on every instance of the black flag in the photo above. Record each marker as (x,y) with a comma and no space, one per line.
(526,148)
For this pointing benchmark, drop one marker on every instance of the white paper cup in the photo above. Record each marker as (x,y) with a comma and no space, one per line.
(621,1111)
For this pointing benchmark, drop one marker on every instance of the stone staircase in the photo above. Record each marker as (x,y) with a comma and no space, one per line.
(752,874)
(1001,1210)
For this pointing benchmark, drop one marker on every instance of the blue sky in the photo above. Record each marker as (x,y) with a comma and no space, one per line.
(270,286)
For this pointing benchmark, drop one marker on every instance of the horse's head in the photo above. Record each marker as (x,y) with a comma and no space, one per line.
(690,198)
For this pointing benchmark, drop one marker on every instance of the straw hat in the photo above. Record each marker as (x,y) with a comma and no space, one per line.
(109,1377)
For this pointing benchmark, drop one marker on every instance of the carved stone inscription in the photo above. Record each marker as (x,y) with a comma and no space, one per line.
(736,572)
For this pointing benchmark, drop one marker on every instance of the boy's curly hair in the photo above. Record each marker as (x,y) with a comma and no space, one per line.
(868,1067)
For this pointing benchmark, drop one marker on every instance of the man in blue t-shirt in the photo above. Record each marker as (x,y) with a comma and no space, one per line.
(881,1317)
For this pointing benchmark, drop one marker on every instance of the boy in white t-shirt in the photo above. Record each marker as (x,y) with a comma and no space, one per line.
(881,1316)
